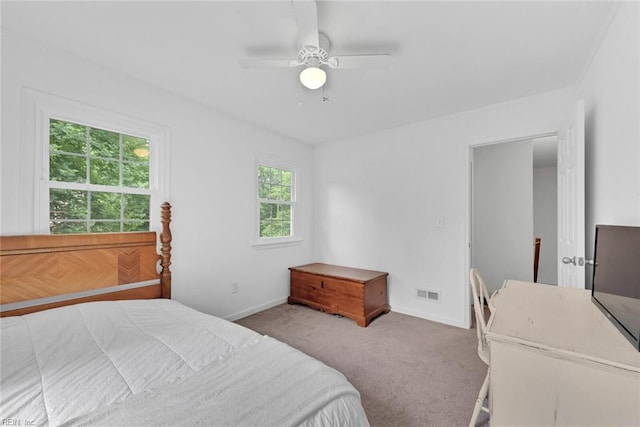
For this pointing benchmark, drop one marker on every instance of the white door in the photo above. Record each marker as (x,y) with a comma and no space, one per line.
(571,228)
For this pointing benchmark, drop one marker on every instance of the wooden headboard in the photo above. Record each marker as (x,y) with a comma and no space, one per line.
(38,272)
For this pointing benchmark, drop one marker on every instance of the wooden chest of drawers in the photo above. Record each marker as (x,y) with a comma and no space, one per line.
(357,294)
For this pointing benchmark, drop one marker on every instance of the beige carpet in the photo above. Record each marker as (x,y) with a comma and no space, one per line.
(409,371)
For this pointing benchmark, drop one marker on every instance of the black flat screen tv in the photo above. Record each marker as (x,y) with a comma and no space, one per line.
(616,278)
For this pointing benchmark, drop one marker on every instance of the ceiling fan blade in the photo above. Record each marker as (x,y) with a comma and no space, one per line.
(357,61)
(306,13)
(269,63)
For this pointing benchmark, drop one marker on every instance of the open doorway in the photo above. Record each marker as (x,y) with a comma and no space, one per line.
(545,206)
(514,200)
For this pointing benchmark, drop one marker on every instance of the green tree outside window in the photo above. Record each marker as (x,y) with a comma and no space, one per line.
(98,180)
(275,197)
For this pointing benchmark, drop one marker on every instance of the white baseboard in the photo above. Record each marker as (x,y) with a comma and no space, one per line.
(434,318)
(440,319)
(253,310)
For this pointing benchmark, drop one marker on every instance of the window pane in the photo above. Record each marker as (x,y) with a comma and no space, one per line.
(264,229)
(67,168)
(104,143)
(265,211)
(286,228)
(135,175)
(67,137)
(284,212)
(67,204)
(136,206)
(279,228)
(67,227)
(286,178)
(105,227)
(274,183)
(275,220)
(286,193)
(135,148)
(136,226)
(276,229)
(263,182)
(276,192)
(104,172)
(276,176)
(105,205)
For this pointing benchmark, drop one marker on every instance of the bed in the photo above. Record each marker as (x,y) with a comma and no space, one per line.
(90,336)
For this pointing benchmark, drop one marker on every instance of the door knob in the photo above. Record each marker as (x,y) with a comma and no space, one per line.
(580,261)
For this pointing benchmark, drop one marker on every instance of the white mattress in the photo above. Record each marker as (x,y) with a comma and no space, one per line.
(158,362)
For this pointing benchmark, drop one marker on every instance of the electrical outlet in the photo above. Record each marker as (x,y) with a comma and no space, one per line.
(235,287)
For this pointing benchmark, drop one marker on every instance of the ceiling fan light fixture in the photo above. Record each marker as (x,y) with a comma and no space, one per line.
(313,77)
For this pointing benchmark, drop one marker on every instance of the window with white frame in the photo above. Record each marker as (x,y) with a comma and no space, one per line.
(276,199)
(99,171)
(98,180)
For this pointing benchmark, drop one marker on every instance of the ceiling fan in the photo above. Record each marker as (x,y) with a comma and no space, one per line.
(314,52)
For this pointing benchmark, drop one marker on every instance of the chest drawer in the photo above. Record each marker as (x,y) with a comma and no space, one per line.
(335,295)
(321,284)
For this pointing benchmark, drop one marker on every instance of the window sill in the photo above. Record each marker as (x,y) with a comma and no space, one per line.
(276,243)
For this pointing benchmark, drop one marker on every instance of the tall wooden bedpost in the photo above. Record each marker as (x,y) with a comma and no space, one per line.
(165,250)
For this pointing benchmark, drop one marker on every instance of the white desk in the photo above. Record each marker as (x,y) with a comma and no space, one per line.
(557,360)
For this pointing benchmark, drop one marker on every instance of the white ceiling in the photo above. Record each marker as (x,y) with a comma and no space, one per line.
(446,57)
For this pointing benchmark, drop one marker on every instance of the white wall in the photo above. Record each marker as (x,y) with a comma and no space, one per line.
(545,224)
(502,239)
(379,196)
(610,88)
(211,177)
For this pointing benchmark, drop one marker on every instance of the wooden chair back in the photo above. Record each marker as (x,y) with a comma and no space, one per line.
(480,293)
(536,258)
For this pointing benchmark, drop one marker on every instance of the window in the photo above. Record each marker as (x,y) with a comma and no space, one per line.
(274,194)
(97,170)
(98,180)
(276,203)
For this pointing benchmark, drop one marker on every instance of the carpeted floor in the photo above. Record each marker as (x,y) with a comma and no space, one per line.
(409,371)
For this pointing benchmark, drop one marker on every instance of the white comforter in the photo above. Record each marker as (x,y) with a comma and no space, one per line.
(158,362)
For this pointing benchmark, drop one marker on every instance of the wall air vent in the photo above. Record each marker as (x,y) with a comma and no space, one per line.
(429,295)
